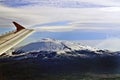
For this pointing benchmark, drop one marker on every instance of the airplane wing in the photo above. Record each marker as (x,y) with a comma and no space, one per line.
(11,39)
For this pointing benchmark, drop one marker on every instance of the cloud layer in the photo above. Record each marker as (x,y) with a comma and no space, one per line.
(110,44)
(81,18)
(51,3)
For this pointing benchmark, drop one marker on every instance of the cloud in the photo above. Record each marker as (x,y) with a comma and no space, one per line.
(24,16)
(30,16)
(73,28)
(111,3)
(17,3)
(111,9)
(51,3)
(110,44)
(55,28)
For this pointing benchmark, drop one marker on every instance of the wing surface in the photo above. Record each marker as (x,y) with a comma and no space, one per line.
(11,39)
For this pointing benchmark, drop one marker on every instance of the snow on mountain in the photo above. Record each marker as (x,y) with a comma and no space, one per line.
(44,45)
(53,45)
(51,48)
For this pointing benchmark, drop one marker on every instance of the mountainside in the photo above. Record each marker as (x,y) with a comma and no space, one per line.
(56,49)
(51,56)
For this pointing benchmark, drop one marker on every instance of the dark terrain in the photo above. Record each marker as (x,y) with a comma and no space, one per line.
(98,68)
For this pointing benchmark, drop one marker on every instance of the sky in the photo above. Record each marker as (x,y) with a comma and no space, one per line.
(92,22)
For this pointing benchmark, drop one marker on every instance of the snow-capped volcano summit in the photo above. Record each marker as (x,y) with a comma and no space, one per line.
(48,44)
(51,48)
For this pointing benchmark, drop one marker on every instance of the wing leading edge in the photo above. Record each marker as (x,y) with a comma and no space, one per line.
(11,39)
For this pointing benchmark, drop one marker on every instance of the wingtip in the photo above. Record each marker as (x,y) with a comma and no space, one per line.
(13,22)
(18,26)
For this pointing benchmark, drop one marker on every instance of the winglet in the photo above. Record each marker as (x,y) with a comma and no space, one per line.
(18,26)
